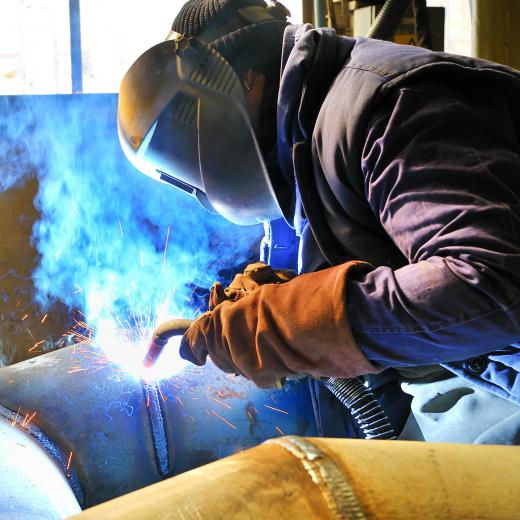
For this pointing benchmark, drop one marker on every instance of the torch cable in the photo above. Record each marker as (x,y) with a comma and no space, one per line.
(362,405)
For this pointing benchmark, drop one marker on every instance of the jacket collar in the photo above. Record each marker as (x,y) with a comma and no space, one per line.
(311,59)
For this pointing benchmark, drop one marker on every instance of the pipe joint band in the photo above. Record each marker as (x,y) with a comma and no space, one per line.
(332,483)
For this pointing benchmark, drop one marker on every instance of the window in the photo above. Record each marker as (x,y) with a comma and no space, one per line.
(35,41)
(457,30)
(114,33)
(34,47)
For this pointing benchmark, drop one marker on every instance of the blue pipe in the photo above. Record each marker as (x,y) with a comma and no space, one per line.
(319,13)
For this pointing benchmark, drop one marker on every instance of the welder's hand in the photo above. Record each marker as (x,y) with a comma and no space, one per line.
(280,330)
(252,278)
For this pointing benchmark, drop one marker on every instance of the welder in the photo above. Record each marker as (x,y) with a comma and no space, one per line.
(387,175)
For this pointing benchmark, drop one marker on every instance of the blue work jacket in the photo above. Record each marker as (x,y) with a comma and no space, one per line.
(410,160)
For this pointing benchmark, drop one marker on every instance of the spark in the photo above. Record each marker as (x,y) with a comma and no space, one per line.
(97,369)
(69,461)
(44,318)
(162,395)
(196,311)
(26,421)
(179,400)
(79,289)
(276,409)
(76,370)
(220,402)
(166,246)
(225,420)
(25,317)
(102,356)
(73,206)
(36,345)
(15,420)
(280,431)
(121,230)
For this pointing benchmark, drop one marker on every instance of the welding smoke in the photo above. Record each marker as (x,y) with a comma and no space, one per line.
(104,226)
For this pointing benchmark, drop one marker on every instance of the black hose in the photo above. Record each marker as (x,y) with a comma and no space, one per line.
(362,405)
(388,19)
(332,14)
(168,329)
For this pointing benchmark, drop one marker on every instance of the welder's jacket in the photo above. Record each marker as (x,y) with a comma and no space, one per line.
(410,160)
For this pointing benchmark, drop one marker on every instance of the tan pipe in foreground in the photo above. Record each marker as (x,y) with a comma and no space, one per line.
(294,477)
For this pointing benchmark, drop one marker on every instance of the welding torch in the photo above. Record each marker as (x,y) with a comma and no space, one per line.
(160,337)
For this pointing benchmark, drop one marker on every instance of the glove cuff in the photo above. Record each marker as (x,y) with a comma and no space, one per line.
(300,327)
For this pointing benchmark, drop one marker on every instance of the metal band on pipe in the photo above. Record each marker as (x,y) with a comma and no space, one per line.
(332,483)
(159,436)
(52,449)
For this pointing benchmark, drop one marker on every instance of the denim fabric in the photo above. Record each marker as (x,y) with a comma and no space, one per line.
(498,372)
(455,410)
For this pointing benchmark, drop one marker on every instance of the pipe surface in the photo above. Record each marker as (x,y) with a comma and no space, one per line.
(312,478)
(126,433)
(32,485)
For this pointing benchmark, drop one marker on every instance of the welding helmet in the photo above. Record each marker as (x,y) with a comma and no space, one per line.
(183,120)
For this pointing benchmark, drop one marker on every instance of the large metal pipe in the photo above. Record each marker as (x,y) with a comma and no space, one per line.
(495,31)
(329,479)
(125,432)
(32,485)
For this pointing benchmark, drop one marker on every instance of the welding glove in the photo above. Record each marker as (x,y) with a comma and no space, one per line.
(285,329)
(252,278)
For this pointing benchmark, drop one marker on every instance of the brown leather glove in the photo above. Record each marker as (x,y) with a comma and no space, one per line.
(278,330)
(252,278)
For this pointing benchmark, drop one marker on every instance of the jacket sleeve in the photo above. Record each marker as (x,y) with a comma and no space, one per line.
(442,175)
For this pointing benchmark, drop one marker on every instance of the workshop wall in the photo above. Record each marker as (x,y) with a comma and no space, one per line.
(23,323)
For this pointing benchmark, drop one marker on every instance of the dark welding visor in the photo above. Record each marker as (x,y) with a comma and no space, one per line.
(182,119)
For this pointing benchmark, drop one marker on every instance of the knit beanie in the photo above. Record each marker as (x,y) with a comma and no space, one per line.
(245,43)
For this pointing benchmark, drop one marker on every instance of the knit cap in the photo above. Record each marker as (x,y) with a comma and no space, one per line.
(243,39)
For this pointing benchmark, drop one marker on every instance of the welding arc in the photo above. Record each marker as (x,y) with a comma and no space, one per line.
(161,336)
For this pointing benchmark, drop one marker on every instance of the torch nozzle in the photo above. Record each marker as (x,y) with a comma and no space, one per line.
(160,337)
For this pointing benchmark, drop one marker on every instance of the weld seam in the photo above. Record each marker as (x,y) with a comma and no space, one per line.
(52,448)
(329,479)
(159,435)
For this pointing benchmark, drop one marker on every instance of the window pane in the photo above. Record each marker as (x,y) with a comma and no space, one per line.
(115,32)
(296,8)
(34,47)
(457,30)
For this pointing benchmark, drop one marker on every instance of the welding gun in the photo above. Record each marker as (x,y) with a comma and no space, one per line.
(352,393)
(160,337)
